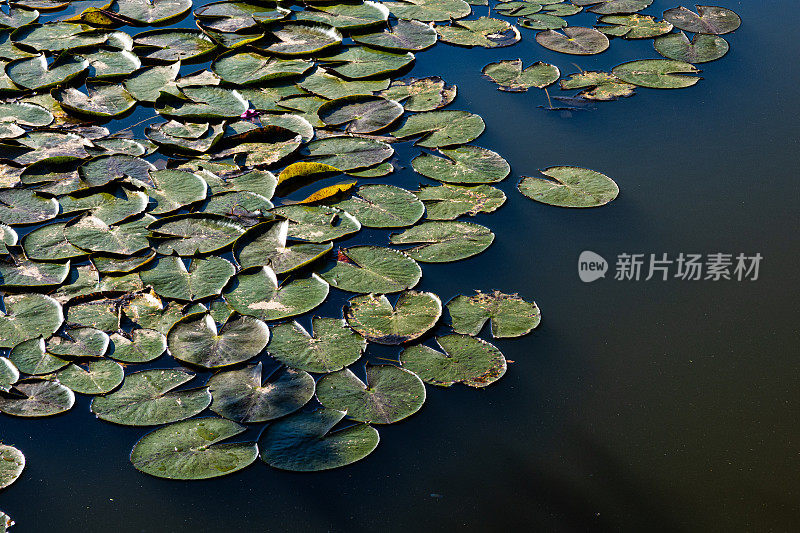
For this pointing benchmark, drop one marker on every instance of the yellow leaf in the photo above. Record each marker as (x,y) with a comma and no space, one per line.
(327,192)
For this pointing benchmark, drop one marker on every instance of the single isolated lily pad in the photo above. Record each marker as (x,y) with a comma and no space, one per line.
(12,463)
(468,360)
(509,75)
(510,315)
(657,73)
(570,187)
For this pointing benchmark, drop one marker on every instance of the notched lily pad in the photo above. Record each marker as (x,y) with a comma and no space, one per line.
(12,463)
(374,318)
(197,340)
(570,187)
(657,73)
(468,360)
(708,19)
(333,346)
(444,241)
(259,295)
(366,269)
(37,398)
(510,315)
(510,76)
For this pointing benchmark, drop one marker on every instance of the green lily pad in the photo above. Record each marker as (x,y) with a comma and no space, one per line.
(18,17)
(250,67)
(634,26)
(360,113)
(708,19)
(346,17)
(144,345)
(101,313)
(103,101)
(448,202)
(171,45)
(240,395)
(347,153)
(518,9)
(421,94)
(169,277)
(573,40)
(28,316)
(509,75)
(326,85)
(570,187)
(57,36)
(265,245)
(12,463)
(373,269)
(104,169)
(657,73)
(33,399)
(36,73)
(153,12)
(600,86)
(203,103)
(304,442)
(92,234)
(542,21)
(238,16)
(148,398)
(486,32)
(9,374)
(20,272)
(383,206)
(510,315)
(358,62)
(110,208)
(190,234)
(121,265)
(21,206)
(196,340)
(31,357)
(168,136)
(701,49)
(111,64)
(333,346)
(13,115)
(613,7)
(374,318)
(317,223)
(79,342)
(97,377)
(297,38)
(259,295)
(389,395)
(468,360)
(444,241)
(403,36)
(193,449)
(429,10)
(175,189)
(441,128)
(82,280)
(147,84)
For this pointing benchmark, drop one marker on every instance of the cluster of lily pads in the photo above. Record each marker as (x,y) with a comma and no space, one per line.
(190,250)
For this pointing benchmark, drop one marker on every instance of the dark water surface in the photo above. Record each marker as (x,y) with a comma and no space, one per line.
(637,406)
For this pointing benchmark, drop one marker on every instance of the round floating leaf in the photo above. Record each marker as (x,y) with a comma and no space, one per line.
(701,49)
(196,340)
(441,128)
(360,113)
(32,358)
(190,234)
(404,36)
(240,394)
(193,449)
(37,398)
(375,319)
(151,11)
(20,273)
(248,67)
(173,45)
(429,10)
(383,206)
(260,296)
(440,242)
(237,16)
(203,103)
(333,346)
(600,86)
(17,17)
(448,202)
(101,314)
(510,76)
(542,21)
(570,187)
(373,269)
(327,85)
(517,9)
(486,32)
(708,19)
(22,206)
(37,74)
(28,316)
(147,84)
(175,189)
(364,62)
(634,26)
(105,101)
(265,245)
(304,442)
(110,208)
(348,153)
(389,395)
(169,277)
(510,315)
(147,398)
(92,234)
(98,377)
(317,223)
(12,463)
(9,374)
(57,36)
(145,345)
(574,40)
(303,38)
(350,17)
(111,265)
(611,7)
(79,342)
(421,94)
(107,168)
(13,115)
(468,360)
(657,73)
(106,64)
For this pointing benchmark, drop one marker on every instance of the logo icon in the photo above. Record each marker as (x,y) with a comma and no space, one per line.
(591,266)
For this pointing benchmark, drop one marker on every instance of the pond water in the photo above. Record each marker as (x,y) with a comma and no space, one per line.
(636,405)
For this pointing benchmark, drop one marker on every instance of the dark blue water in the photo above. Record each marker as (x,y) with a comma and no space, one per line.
(638,406)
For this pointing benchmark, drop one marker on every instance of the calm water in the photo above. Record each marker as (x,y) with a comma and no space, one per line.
(643,406)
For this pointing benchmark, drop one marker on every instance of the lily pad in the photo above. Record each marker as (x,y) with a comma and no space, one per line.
(196,340)
(574,40)
(374,318)
(21,206)
(36,398)
(171,45)
(97,377)
(9,374)
(403,36)
(570,187)
(259,295)
(509,75)
(657,73)
(303,38)
(421,94)
(37,73)
(383,206)
(189,234)
(265,245)
(250,67)
(144,345)
(486,32)
(12,463)
(193,449)
(600,86)
(203,103)
(389,395)
(317,223)
(366,269)
(105,101)
(429,10)
(109,208)
(20,272)
(634,26)
(170,278)
(448,202)
(31,357)
(333,346)
(358,62)
(153,12)
(441,128)
(304,442)
(347,153)
(79,342)
(360,113)
(444,241)
(148,398)
(708,19)
(510,315)
(612,7)
(701,49)
(468,360)
(28,316)
(346,16)
(175,189)
(92,234)
(103,170)
(240,395)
